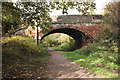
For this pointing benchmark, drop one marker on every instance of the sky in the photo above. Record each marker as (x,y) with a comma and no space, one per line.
(100,4)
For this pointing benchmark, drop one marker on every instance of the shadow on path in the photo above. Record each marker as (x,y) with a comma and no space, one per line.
(60,67)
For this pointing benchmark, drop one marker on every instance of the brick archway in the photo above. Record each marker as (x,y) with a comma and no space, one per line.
(79,37)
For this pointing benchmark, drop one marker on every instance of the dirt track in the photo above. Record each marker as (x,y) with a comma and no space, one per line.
(60,67)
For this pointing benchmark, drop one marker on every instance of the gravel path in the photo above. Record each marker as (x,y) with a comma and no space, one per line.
(60,67)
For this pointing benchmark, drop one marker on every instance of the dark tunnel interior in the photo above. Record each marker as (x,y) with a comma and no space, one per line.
(77,35)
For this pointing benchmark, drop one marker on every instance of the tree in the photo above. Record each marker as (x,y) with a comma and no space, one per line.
(112,13)
(10,17)
(36,13)
(112,19)
(83,6)
(39,12)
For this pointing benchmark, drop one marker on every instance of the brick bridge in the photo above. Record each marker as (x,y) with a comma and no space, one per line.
(82,34)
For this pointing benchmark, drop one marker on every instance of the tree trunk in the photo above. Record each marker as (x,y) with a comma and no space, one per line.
(37,36)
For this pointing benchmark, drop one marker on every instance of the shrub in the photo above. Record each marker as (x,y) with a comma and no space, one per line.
(51,40)
(91,48)
(19,49)
(100,50)
(22,55)
(68,45)
(64,41)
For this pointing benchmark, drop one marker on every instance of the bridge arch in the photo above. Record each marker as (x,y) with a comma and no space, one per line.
(77,35)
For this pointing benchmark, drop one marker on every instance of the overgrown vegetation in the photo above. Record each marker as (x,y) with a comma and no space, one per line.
(66,46)
(10,18)
(102,57)
(97,58)
(60,41)
(111,21)
(23,58)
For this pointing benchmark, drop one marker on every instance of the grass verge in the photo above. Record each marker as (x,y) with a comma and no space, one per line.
(97,58)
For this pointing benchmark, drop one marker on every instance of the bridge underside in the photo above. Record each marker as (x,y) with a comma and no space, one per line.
(78,36)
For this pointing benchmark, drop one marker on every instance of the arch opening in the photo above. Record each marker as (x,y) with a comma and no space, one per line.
(77,35)
(59,41)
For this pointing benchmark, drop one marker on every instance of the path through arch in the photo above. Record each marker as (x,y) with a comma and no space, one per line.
(78,36)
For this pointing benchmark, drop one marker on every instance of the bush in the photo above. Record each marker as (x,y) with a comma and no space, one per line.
(91,48)
(68,45)
(18,46)
(60,40)
(51,40)
(100,50)
(65,43)
(18,51)
(23,43)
